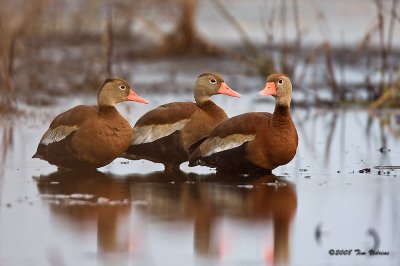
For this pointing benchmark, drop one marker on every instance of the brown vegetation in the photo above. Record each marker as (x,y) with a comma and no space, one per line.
(81,43)
(293,58)
(184,38)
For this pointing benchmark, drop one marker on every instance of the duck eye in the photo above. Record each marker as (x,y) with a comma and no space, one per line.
(280,81)
(213,81)
(122,87)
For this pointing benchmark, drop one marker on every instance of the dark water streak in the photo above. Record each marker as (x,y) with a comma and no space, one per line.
(6,142)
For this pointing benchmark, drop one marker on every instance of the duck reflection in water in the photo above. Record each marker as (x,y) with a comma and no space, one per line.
(89,199)
(202,200)
(206,199)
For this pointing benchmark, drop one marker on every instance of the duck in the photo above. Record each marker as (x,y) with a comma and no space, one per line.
(252,143)
(89,137)
(164,134)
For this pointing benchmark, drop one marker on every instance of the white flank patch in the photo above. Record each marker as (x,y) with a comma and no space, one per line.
(57,134)
(218,144)
(150,133)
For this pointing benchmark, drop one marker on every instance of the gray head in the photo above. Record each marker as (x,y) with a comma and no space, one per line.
(116,90)
(209,84)
(279,86)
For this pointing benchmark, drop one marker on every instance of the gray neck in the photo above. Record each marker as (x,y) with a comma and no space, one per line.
(284,100)
(101,102)
(200,97)
(104,101)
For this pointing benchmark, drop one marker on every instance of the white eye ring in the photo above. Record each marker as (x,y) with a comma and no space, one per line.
(122,87)
(280,81)
(213,81)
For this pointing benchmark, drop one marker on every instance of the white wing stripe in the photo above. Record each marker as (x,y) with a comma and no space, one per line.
(57,134)
(218,144)
(151,133)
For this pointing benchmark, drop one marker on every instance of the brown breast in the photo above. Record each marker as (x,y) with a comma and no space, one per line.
(207,116)
(101,139)
(276,141)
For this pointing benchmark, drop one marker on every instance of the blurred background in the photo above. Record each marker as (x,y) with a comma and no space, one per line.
(339,192)
(346,52)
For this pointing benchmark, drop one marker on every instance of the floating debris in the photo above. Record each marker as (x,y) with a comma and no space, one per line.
(318,233)
(381,172)
(307,177)
(388,167)
(383,150)
(303,170)
(365,171)
(389,170)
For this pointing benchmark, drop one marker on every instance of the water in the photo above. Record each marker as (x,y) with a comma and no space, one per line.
(131,213)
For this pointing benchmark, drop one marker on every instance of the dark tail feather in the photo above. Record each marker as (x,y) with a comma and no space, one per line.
(193,157)
(39,152)
(37,155)
(194,151)
(196,144)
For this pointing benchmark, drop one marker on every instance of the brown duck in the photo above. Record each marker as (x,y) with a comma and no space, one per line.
(90,136)
(252,143)
(164,134)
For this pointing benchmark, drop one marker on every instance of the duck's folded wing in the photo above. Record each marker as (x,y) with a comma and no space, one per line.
(150,133)
(162,121)
(216,144)
(230,134)
(57,134)
(66,123)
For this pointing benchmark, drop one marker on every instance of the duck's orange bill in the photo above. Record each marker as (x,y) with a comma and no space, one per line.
(136,98)
(270,89)
(224,89)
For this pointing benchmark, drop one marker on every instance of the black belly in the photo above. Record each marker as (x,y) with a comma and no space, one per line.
(168,150)
(60,154)
(233,161)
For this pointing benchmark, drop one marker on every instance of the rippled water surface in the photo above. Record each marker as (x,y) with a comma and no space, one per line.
(340,192)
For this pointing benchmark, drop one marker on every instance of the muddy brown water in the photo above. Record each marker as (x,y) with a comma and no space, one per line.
(340,192)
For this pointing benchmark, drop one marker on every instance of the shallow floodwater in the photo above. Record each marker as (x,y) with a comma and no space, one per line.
(340,192)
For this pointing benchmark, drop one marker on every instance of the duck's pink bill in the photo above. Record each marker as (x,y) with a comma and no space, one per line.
(224,89)
(270,89)
(136,98)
